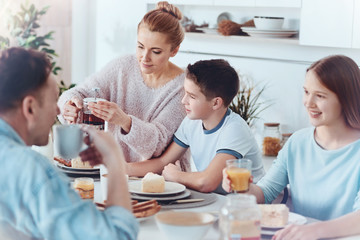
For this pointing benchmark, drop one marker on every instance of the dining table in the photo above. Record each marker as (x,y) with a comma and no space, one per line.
(149,229)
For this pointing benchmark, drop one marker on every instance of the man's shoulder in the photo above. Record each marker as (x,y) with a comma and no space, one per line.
(23,158)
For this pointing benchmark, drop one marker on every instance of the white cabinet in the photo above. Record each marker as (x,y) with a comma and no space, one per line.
(330,23)
(237,3)
(278,3)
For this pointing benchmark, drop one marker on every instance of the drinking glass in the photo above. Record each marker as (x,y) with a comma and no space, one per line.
(239,171)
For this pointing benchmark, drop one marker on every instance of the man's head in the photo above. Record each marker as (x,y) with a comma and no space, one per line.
(209,85)
(28,94)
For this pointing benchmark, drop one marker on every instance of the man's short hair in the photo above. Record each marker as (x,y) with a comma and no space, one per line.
(22,72)
(216,78)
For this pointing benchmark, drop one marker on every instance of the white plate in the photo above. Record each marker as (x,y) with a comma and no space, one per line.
(280,33)
(294,218)
(182,195)
(144,218)
(281,30)
(94,169)
(170,188)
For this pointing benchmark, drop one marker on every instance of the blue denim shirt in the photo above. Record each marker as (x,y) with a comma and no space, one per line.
(36,201)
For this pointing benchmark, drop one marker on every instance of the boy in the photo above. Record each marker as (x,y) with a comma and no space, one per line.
(211,130)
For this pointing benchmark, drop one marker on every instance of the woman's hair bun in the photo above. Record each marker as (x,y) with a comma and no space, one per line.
(169,8)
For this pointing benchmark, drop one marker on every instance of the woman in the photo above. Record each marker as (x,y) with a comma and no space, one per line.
(321,163)
(144,92)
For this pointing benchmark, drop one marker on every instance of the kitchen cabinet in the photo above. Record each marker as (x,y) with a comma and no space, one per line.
(330,23)
(237,3)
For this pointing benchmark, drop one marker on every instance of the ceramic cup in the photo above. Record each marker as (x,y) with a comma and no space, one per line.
(68,140)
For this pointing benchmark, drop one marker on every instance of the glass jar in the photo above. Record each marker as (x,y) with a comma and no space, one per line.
(240,218)
(285,137)
(271,139)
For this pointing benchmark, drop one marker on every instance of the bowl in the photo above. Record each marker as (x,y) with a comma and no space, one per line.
(268,23)
(184,225)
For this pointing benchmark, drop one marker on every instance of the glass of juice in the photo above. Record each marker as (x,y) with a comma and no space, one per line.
(239,171)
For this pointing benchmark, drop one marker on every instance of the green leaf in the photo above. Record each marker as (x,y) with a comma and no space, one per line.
(32,8)
(44,10)
(30,39)
(26,17)
(49,35)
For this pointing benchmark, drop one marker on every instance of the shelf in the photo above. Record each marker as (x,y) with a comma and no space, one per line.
(292,40)
(274,49)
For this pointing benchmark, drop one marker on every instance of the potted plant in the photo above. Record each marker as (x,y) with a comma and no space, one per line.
(247,101)
(22,28)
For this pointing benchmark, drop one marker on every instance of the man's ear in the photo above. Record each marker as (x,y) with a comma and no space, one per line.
(30,107)
(217,103)
(175,51)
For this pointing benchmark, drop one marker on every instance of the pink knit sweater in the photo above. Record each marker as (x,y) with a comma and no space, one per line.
(155,113)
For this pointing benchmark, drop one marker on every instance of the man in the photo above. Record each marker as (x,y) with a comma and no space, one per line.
(36,200)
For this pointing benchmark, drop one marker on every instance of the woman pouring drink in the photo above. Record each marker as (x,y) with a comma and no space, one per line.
(143,93)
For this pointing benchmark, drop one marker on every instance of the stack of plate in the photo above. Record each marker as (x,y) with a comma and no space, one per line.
(274,33)
(173,191)
(79,172)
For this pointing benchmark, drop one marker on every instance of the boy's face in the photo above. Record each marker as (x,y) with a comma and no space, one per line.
(195,102)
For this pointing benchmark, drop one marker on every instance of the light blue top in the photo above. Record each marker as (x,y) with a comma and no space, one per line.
(324,184)
(232,136)
(37,203)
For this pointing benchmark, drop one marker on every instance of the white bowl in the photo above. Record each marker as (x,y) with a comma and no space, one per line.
(268,23)
(184,225)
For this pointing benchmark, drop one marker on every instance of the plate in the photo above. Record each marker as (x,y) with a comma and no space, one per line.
(181,195)
(294,218)
(170,188)
(280,33)
(254,29)
(71,169)
(144,218)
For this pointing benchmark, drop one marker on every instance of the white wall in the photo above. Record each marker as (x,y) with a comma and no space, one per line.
(103,30)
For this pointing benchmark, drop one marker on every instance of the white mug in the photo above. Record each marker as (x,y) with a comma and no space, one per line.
(68,140)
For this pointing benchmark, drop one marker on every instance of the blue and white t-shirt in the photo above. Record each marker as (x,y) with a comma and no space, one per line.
(232,136)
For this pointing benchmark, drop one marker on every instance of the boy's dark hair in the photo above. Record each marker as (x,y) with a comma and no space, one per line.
(22,72)
(216,78)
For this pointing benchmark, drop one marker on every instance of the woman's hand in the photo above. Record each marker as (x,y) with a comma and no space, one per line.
(71,110)
(226,183)
(297,232)
(111,113)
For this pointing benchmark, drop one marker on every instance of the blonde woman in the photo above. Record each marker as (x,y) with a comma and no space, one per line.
(143,92)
